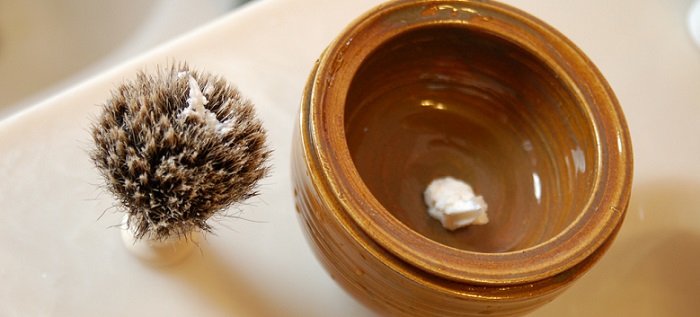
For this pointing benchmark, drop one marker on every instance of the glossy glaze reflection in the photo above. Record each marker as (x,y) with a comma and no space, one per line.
(450,102)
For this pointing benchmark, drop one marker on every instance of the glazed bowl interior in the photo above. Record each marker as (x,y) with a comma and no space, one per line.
(452,101)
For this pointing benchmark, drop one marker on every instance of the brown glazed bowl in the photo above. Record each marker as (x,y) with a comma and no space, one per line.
(476,90)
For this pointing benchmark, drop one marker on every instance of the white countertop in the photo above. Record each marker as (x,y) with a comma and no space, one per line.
(60,255)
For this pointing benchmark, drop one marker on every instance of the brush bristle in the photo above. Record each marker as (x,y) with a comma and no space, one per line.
(172,172)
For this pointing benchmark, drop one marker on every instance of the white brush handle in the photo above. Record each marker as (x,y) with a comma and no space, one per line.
(159,252)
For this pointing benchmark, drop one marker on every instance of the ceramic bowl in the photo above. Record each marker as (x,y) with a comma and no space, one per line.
(480,91)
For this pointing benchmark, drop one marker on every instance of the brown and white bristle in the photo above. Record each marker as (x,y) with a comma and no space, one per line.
(173,154)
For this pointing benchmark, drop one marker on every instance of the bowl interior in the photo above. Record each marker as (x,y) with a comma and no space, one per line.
(452,101)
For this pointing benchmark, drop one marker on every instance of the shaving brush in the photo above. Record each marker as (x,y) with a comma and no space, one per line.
(175,148)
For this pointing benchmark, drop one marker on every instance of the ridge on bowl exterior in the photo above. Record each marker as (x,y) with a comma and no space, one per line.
(415,90)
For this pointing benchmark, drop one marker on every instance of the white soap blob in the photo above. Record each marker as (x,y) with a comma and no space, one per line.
(195,107)
(454,203)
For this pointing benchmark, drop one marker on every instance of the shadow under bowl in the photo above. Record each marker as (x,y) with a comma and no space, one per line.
(480,91)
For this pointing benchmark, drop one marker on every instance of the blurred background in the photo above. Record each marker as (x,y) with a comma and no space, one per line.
(49,45)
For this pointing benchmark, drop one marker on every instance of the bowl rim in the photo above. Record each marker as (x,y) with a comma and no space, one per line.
(605,209)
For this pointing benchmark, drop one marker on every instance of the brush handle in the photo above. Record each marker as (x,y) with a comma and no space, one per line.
(158,252)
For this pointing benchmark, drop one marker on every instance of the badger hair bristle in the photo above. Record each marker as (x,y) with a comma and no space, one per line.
(174,154)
